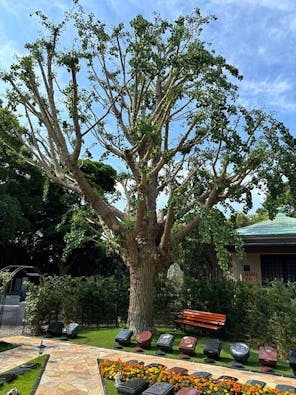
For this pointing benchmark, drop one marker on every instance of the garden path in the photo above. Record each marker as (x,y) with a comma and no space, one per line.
(72,368)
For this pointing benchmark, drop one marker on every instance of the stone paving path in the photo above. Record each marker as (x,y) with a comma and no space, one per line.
(72,369)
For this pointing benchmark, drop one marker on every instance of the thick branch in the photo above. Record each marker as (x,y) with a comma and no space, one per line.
(75,117)
(98,204)
(184,231)
(166,235)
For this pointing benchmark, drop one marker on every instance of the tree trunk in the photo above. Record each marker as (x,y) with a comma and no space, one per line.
(140,314)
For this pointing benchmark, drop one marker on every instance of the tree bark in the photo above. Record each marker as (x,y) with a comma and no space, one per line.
(142,271)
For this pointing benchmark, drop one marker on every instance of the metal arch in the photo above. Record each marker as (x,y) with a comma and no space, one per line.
(13,270)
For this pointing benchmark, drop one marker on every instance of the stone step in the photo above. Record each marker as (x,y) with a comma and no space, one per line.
(12,299)
(13,314)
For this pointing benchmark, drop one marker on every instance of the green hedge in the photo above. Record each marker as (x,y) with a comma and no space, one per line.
(258,315)
(87,300)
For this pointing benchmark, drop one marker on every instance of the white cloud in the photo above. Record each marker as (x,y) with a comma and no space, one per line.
(278,93)
(18,8)
(261,51)
(277,87)
(282,5)
(284,27)
(7,53)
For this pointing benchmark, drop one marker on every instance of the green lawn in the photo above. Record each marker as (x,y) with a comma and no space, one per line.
(26,381)
(104,337)
(4,346)
(110,387)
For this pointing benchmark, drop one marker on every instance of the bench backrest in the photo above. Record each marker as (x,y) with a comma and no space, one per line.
(204,316)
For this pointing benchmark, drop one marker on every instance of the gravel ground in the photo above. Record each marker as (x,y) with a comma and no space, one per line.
(10,331)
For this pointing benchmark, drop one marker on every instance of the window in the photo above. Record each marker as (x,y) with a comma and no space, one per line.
(278,267)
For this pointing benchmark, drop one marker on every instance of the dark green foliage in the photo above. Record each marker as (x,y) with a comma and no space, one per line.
(165,299)
(204,249)
(240,219)
(200,260)
(10,217)
(86,300)
(258,315)
(206,294)
(281,300)
(40,222)
(100,175)
(20,183)
(282,190)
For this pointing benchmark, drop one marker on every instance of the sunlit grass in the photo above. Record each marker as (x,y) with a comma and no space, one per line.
(25,382)
(104,337)
(110,387)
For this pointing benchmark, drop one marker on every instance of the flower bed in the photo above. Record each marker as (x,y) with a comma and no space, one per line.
(108,369)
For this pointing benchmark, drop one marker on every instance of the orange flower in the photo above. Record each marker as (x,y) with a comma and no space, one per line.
(109,369)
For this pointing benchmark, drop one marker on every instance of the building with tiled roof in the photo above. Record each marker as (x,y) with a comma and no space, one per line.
(270,248)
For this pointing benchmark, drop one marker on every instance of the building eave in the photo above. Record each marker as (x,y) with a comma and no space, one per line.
(270,239)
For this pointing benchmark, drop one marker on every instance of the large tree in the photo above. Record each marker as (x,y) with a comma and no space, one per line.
(156,98)
(41,223)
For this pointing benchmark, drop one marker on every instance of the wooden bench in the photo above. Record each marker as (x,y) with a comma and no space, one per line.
(202,319)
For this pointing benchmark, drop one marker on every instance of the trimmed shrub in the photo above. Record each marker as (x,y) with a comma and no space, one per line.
(43,302)
(86,300)
(258,315)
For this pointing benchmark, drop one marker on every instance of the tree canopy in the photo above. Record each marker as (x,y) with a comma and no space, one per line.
(159,101)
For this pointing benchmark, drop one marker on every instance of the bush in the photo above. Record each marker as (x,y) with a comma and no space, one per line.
(208,294)
(282,322)
(258,315)
(86,300)
(165,300)
(43,302)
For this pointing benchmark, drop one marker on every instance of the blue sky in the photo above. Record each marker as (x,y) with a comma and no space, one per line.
(257,36)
